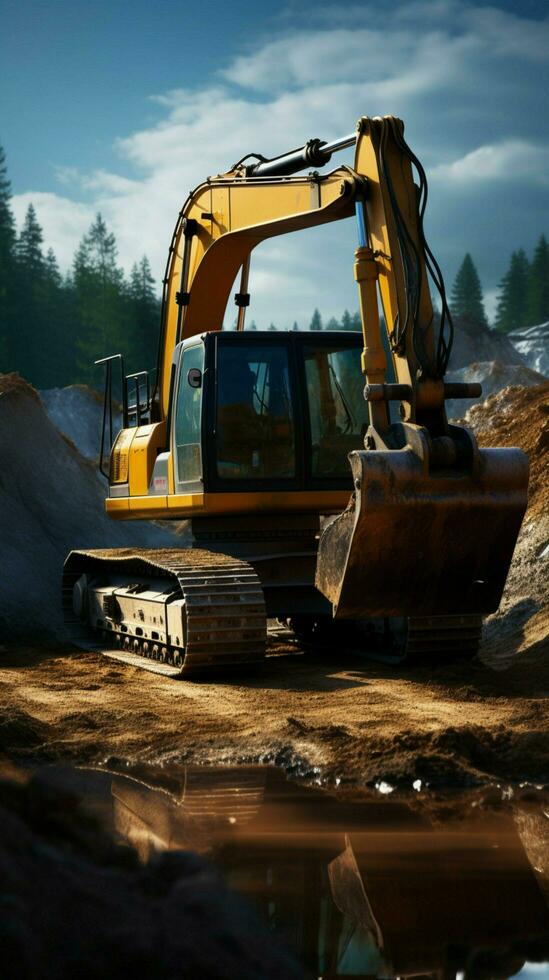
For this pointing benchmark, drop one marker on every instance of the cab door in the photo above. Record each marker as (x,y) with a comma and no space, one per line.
(187,428)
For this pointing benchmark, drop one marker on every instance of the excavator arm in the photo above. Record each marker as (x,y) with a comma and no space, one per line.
(218,228)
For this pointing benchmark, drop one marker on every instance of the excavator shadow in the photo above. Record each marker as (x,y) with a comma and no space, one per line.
(303,673)
(20,653)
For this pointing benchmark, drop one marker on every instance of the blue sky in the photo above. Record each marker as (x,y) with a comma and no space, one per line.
(122,107)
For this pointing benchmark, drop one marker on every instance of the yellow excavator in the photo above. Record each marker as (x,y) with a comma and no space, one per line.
(249,435)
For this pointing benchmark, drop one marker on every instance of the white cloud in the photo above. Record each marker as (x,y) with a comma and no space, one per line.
(63,221)
(467,80)
(510,160)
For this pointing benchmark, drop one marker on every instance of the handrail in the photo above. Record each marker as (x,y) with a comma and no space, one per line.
(107,405)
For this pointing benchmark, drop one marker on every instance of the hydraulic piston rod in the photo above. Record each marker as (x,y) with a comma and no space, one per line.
(315,153)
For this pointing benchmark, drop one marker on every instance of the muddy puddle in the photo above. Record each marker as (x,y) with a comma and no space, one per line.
(366,885)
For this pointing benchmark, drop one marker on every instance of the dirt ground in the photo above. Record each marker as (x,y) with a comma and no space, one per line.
(348,720)
(335,718)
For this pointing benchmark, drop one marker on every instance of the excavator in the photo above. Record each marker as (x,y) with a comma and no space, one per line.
(323,484)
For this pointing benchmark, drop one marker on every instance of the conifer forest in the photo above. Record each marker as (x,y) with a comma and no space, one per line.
(54,326)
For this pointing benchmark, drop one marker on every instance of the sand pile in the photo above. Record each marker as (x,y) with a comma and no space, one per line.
(519,416)
(77,411)
(51,500)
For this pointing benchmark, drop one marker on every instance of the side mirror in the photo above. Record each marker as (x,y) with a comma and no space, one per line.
(194,378)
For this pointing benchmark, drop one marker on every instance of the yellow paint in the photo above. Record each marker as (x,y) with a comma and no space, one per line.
(233,215)
(117,507)
(147,442)
(120,456)
(378,136)
(244,214)
(188,505)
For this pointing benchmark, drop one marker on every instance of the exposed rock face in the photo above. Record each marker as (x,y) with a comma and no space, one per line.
(51,501)
(473,343)
(76,411)
(532,344)
(493,376)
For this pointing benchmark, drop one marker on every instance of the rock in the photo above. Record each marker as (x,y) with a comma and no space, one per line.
(77,411)
(493,376)
(473,343)
(533,345)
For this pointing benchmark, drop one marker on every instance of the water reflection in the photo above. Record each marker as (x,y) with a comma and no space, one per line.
(365,889)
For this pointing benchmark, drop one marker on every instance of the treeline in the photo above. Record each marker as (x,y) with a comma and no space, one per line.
(348,321)
(523,292)
(53,328)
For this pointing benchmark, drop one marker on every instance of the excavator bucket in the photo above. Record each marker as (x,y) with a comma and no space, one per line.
(417,543)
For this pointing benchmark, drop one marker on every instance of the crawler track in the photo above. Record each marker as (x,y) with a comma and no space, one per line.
(443,637)
(225,620)
(417,640)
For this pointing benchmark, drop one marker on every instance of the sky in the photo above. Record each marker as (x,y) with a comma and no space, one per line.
(122,107)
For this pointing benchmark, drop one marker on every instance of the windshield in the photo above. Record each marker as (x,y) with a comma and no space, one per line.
(338,411)
(255,423)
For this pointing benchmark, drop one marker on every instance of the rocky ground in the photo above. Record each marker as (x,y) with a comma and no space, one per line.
(333,714)
(333,718)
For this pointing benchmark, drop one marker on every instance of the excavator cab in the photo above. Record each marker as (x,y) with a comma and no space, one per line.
(255,411)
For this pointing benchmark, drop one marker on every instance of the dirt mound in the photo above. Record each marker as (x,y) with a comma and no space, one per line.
(77,411)
(518,416)
(51,500)
(455,756)
(493,376)
(98,913)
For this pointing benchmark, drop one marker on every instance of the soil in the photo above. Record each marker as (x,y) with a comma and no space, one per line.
(323,718)
(332,717)
(519,416)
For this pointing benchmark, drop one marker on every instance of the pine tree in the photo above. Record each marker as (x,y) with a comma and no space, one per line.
(144,318)
(58,356)
(538,287)
(30,343)
(316,321)
(7,259)
(295,326)
(466,297)
(101,300)
(346,322)
(512,302)
(253,325)
(29,246)
(333,324)
(52,269)
(272,326)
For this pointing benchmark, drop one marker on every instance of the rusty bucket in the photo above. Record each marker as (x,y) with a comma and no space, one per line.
(417,543)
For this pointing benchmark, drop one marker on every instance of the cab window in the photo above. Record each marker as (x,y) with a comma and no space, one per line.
(337,409)
(188,418)
(255,423)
